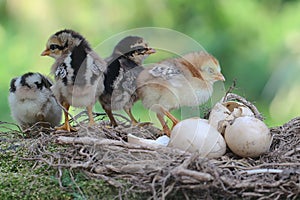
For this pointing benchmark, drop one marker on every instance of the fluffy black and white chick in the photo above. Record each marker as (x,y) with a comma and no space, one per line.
(31,100)
(78,70)
(124,65)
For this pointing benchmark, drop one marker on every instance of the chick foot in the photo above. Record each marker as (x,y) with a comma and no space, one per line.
(66,127)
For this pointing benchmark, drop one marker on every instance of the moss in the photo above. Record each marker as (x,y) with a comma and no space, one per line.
(23,179)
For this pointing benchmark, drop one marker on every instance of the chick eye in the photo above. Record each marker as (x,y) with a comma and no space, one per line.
(210,70)
(141,50)
(136,51)
(54,46)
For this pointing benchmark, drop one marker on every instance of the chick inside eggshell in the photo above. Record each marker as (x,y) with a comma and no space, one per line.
(224,112)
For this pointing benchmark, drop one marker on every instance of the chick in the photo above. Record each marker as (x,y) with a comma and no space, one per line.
(124,65)
(170,84)
(78,70)
(31,100)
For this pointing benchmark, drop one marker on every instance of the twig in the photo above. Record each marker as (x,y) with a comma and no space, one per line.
(111,181)
(164,194)
(182,170)
(260,171)
(200,176)
(77,186)
(291,152)
(153,186)
(230,89)
(252,194)
(247,184)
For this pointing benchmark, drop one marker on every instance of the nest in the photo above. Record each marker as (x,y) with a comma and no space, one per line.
(102,152)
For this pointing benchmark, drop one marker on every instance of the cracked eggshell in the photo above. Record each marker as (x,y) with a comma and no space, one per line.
(217,117)
(196,135)
(224,112)
(248,137)
(238,109)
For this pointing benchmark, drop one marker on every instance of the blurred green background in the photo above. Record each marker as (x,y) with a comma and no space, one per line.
(256,41)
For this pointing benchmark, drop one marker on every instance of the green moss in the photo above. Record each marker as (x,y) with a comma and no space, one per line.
(23,179)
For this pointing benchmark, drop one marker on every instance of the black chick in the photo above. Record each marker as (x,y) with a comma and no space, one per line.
(123,67)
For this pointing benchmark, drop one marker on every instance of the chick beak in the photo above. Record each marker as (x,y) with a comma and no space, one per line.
(150,51)
(220,77)
(46,52)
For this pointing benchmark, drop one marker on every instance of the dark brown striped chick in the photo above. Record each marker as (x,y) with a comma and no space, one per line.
(78,70)
(124,65)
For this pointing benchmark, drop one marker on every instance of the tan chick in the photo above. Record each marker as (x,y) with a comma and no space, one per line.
(177,82)
(78,71)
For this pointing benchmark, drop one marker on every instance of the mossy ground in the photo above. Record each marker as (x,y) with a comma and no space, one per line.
(23,179)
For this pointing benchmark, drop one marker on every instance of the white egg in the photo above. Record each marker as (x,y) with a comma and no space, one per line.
(196,135)
(248,137)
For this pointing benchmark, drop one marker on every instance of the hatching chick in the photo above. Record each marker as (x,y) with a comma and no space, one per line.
(124,65)
(31,100)
(78,70)
(177,82)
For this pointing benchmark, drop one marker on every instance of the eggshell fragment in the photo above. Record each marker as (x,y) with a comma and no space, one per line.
(161,141)
(196,135)
(248,137)
(218,117)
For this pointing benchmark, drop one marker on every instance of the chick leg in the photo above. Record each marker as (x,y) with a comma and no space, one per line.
(166,129)
(129,113)
(134,122)
(90,114)
(171,117)
(66,126)
(111,117)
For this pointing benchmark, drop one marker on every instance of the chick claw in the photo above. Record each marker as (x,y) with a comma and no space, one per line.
(142,124)
(66,127)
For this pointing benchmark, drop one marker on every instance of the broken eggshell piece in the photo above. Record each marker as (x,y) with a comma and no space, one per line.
(196,135)
(160,141)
